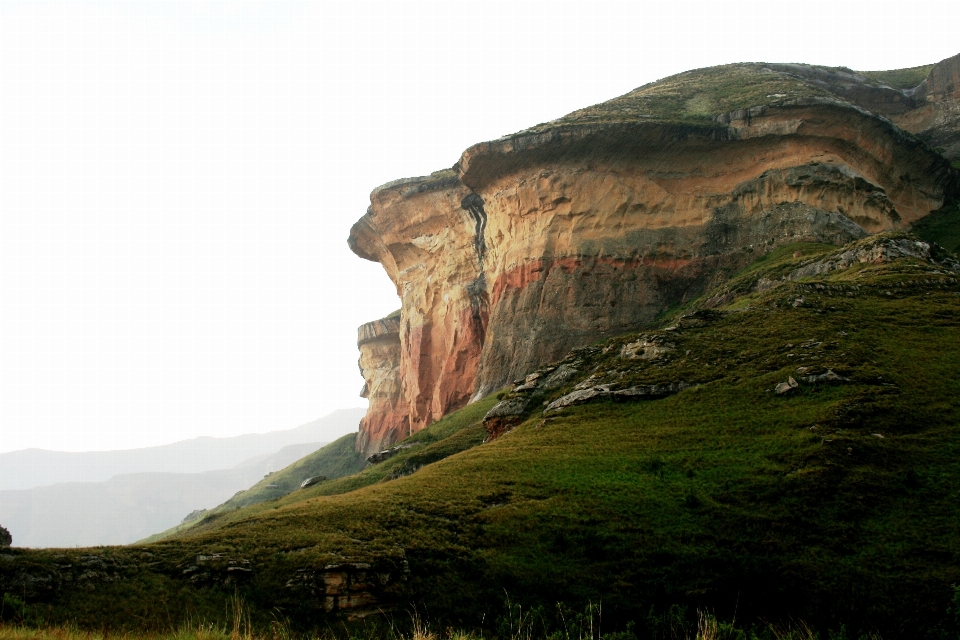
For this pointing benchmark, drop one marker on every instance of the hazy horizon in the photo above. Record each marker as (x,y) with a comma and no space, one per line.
(177,180)
(187,439)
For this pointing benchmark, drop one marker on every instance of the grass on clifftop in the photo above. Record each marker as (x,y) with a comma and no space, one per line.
(698,96)
(835,504)
(900,78)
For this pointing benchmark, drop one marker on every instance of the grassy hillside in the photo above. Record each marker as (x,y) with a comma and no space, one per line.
(835,503)
(457,432)
(941,226)
(332,461)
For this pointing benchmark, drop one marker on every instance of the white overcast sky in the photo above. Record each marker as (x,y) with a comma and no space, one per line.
(177,179)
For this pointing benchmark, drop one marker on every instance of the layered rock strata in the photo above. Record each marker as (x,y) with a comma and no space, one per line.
(386,420)
(553,238)
(937,116)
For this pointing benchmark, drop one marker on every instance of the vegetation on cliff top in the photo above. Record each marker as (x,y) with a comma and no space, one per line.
(900,78)
(700,95)
(696,96)
(833,504)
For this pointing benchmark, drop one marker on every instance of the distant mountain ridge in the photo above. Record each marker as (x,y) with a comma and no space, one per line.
(128,507)
(30,468)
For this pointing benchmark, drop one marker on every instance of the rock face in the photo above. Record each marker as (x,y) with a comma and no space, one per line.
(425,232)
(386,420)
(937,116)
(555,237)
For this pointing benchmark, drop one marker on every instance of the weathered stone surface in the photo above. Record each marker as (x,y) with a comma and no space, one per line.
(506,415)
(553,238)
(640,392)
(825,378)
(428,234)
(389,453)
(874,251)
(646,348)
(387,417)
(309,482)
(936,117)
(786,387)
(356,589)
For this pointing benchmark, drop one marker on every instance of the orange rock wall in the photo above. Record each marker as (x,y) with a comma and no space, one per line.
(545,242)
(386,420)
(424,237)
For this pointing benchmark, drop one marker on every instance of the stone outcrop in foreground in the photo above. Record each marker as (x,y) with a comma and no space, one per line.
(591,226)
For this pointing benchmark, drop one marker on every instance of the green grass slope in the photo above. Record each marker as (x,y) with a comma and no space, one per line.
(335,460)
(836,504)
(453,434)
(942,226)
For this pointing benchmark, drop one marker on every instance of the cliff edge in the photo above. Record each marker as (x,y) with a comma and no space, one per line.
(594,224)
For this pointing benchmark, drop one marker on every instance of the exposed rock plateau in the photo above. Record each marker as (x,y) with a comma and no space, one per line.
(592,225)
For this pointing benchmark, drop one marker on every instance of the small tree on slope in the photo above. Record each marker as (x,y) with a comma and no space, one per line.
(5,538)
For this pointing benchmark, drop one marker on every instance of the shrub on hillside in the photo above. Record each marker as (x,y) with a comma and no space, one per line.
(5,538)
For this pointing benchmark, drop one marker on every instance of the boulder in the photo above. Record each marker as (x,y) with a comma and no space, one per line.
(389,453)
(787,387)
(639,392)
(646,348)
(826,378)
(309,482)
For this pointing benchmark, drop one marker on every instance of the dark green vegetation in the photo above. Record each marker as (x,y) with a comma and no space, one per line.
(835,504)
(941,226)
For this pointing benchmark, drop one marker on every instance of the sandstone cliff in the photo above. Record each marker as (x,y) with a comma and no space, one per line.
(594,224)
(386,420)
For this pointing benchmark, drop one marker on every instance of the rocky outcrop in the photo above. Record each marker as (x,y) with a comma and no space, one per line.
(351,586)
(428,234)
(386,454)
(356,589)
(387,418)
(879,250)
(552,238)
(590,393)
(936,117)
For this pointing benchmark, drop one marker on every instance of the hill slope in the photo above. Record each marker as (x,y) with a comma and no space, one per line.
(832,502)
(324,465)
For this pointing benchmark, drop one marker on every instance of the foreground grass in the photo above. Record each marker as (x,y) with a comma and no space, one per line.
(517,625)
(835,504)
